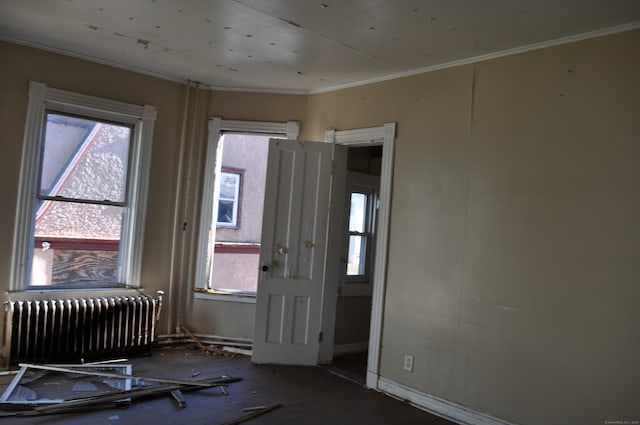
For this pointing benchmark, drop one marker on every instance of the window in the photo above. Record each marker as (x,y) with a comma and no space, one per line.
(359,231)
(230,232)
(82,192)
(360,234)
(229,199)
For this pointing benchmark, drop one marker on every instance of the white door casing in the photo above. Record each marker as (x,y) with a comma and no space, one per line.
(385,136)
(293,253)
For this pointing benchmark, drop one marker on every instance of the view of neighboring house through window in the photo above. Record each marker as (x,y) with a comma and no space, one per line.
(83,184)
(233,267)
(81,201)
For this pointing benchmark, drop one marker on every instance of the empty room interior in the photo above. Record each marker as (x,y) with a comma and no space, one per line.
(427,210)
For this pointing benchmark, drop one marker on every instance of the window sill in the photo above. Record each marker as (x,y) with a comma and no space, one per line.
(203,294)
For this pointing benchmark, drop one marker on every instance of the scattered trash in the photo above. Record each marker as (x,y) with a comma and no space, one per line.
(113,418)
(193,337)
(214,345)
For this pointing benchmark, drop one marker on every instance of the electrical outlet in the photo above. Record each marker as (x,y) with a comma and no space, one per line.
(408,362)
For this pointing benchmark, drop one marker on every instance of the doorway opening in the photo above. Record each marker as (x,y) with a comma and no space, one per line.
(382,137)
(355,286)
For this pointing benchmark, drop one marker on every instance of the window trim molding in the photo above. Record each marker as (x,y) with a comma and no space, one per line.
(142,117)
(216,127)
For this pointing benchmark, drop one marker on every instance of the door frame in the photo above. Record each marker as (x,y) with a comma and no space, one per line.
(382,136)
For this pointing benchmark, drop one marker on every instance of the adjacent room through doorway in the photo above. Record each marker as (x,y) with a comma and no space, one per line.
(353,309)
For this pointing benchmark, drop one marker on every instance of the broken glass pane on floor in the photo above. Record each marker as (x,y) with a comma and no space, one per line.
(33,387)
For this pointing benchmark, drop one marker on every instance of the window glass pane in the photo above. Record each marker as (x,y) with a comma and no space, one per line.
(76,243)
(228,186)
(358,212)
(84,159)
(74,220)
(356,255)
(225,212)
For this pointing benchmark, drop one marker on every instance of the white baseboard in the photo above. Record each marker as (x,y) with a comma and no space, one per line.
(438,406)
(355,347)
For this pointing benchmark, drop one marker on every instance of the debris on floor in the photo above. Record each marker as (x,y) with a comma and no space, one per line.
(238,350)
(41,389)
(209,344)
(255,413)
(216,349)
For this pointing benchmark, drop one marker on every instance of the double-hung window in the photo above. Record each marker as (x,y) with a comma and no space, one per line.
(82,191)
(229,199)
(360,234)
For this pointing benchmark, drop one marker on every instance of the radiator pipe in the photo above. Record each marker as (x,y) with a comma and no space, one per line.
(188,225)
(176,225)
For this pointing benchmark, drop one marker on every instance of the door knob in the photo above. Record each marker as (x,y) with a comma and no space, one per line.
(265,268)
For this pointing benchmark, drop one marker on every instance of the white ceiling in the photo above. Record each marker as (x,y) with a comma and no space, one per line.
(300,45)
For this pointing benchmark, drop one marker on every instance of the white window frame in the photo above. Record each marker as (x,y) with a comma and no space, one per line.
(142,117)
(235,219)
(217,126)
(368,233)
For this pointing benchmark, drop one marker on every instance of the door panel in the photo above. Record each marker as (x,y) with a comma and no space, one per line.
(275,318)
(292,256)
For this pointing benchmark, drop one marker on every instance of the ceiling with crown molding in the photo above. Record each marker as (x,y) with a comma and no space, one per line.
(301,46)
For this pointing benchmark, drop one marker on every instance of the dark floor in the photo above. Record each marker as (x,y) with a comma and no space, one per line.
(309,395)
(350,366)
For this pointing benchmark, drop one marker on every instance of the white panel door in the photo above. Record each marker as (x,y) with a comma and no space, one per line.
(292,254)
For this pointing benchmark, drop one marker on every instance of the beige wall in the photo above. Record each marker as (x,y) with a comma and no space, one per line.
(258,106)
(514,255)
(222,318)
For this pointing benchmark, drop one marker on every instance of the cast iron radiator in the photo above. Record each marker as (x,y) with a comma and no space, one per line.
(79,329)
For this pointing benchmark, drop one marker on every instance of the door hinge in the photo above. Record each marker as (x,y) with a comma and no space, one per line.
(320,336)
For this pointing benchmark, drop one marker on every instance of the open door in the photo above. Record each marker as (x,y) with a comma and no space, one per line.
(293,252)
